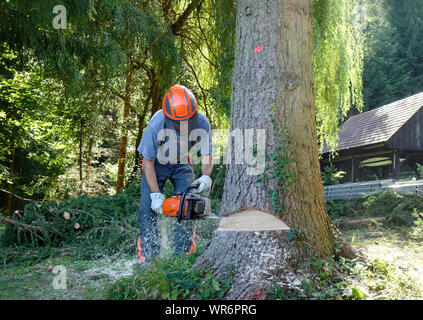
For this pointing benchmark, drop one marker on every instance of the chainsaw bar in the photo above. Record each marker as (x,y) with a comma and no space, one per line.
(208,217)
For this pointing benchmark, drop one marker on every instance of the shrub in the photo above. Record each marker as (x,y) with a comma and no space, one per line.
(331,175)
(397,208)
(96,226)
(400,210)
(172,278)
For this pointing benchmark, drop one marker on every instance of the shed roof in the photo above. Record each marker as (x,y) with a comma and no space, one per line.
(377,125)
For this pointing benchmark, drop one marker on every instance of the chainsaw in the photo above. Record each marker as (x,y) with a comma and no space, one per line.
(187,205)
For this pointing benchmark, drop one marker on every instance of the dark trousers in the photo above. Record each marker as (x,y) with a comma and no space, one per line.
(181,175)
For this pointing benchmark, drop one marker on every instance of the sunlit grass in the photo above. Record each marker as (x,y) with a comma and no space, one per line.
(400,254)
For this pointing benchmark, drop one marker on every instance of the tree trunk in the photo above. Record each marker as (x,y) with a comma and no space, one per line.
(124,136)
(254,245)
(12,171)
(89,152)
(81,137)
(273,74)
(141,126)
(89,159)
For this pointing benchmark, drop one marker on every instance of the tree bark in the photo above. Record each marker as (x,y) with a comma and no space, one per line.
(141,126)
(81,137)
(12,171)
(273,70)
(253,247)
(273,74)
(124,136)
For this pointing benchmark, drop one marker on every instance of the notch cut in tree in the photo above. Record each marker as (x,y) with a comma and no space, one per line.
(273,90)
(252,246)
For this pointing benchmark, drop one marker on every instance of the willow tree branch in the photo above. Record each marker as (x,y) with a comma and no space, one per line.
(204,35)
(180,22)
(203,91)
(199,49)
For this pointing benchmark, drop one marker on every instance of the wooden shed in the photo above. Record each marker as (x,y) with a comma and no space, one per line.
(384,143)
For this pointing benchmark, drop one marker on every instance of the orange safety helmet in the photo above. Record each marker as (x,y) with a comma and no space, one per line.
(179,103)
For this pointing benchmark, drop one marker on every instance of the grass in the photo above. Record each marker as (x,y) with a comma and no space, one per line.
(32,278)
(85,280)
(171,278)
(394,272)
(398,256)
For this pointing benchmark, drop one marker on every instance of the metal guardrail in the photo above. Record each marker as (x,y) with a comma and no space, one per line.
(360,189)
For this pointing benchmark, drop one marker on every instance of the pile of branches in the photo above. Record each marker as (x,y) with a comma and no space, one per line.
(396,209)
(94,226)
(400,210)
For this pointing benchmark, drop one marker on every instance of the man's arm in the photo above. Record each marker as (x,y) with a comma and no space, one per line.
(150,174)
(207,164)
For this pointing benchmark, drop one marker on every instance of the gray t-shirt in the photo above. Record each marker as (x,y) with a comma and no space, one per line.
(153,140)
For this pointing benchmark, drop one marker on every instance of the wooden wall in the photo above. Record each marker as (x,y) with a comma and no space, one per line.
(410,136)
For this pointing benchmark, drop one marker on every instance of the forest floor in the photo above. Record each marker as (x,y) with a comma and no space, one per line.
(399,255)
(396,254)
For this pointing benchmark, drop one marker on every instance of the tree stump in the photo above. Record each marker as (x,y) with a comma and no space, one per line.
(252,247)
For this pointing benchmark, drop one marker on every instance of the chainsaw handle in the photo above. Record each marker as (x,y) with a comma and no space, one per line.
(180,214)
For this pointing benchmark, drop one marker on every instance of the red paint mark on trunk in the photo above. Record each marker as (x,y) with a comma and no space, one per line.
(258,49)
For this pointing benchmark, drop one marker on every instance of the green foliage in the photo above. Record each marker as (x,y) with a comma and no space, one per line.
(107,225)
(338,209)
(171,279)
(100,35)
(400,210)
(419,170)
(331,175)
(33,134)
(337,64)
(223,31)
(417,229)
(397,208)
(394,55)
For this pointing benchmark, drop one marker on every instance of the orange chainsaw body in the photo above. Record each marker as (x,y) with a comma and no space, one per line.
(171,205)
(184,206)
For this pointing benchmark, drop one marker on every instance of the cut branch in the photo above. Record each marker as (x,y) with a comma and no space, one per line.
(359,221)
(17,197)
(20,224)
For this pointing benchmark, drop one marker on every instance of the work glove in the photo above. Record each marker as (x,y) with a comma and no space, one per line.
(157,201)
(204,187)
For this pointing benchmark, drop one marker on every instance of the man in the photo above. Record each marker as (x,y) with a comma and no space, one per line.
(164,147)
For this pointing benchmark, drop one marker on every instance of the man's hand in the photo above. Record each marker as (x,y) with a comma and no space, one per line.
(204,186)
(157,202)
